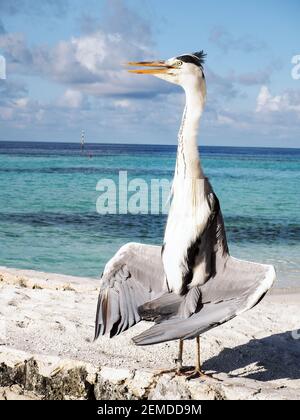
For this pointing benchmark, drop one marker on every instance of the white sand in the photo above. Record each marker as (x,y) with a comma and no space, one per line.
(54,315)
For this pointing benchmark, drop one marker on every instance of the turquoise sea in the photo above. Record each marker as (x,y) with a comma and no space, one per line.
(49,222)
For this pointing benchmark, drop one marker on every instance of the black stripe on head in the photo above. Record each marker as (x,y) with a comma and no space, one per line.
(196,58)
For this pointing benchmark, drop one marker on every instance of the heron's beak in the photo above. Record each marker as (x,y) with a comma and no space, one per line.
(159,67)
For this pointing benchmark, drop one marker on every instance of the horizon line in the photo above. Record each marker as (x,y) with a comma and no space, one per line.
(145,144)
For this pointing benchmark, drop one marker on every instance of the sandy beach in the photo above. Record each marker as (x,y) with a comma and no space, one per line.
(50,318)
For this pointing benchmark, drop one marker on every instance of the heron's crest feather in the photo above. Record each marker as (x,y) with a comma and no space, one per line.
(201,55)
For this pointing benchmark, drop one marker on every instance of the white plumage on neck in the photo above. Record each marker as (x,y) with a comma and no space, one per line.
(188,162)
(189,209)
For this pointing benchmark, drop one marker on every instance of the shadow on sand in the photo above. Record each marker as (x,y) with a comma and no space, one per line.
(276,357)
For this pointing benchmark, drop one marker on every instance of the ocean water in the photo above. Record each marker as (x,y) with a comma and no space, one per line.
(49,222)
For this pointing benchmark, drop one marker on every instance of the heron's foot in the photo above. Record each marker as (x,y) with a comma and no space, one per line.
(177,370)
(199,374)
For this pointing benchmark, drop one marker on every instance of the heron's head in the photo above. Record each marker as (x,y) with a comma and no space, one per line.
(185,70)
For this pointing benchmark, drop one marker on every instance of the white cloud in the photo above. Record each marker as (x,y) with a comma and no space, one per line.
(265,101)
(287,102)
(71,99)
(21,102)
(91,51)
(224,120)
(92,63)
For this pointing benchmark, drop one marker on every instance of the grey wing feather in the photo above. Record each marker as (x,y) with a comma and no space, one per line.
(171,304)
(237,287)
(132,277)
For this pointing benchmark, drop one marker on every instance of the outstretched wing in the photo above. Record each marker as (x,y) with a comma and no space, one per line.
(237,287)
(132,277)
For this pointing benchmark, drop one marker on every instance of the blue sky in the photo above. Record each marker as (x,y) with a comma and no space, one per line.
(64,70)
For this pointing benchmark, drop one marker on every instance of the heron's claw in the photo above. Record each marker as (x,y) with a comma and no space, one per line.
(198,373)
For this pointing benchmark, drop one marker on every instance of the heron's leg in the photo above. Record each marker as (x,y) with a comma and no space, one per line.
(179,360)
(198,373)
(178,368)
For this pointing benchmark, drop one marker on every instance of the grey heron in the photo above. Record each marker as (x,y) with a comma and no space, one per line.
(190,284)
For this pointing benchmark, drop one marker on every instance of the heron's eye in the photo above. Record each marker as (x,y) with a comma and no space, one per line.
(179,63)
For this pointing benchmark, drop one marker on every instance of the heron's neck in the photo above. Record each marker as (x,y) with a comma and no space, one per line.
(188,161)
